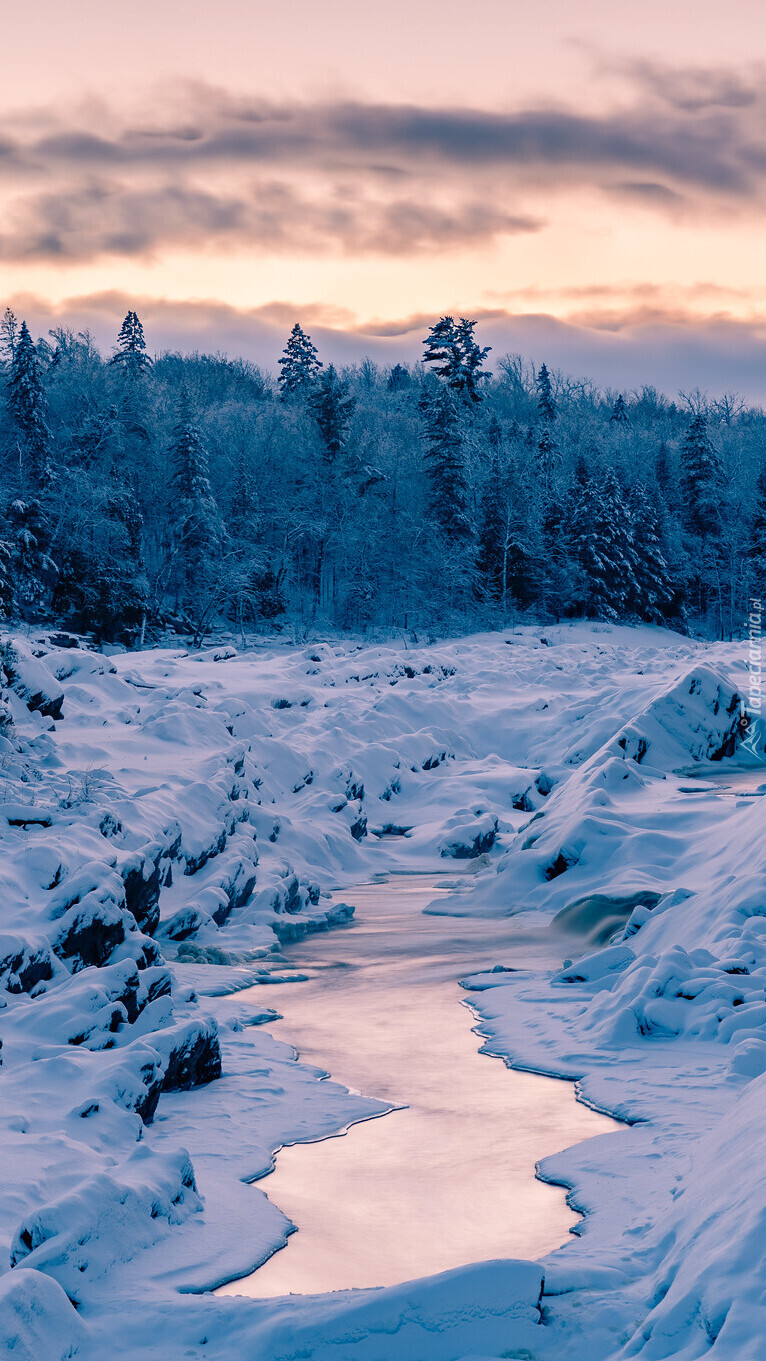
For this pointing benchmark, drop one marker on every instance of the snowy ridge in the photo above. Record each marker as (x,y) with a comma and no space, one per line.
(169,818)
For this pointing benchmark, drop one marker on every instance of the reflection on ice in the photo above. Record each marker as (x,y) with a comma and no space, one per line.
(726,777)
(448,1178)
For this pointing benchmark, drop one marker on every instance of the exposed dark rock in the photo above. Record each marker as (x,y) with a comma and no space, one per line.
(467,844)
(186,922)
(142,882)
(63,640)
(195,862)
(193,1055)
(89,933)
(560,865)
(23,815)
(22,969)
(32,680)
(358,828)
(152,1077)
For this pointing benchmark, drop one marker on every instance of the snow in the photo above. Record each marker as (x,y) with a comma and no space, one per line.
(169,820)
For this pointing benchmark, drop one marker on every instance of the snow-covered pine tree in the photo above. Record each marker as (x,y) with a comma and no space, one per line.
(199,530)
(332,407)
(9,334)
(619,414)
(130,351)
(492,540)
(455,356)
(700,480)
(299,365)
(602,542)
(663,470)
(102,584)
(32,570)
(445,466)
(399,379)
(654,596)
(756,548)
(546,403)
(547,456)
(441,349)
(471,372)
(6,580)
(29,408)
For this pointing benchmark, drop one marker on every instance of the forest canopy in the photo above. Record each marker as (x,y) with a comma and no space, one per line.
(142,495)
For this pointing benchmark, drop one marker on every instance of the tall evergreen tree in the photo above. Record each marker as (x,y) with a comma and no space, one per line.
(547,456)
(700,479)
(29,408)
(130,351)
(603,545)
(32,570)
(299,366)
(654,594)
(9,334)
(491,560)
(198,526)
(619,414)
(456,358)
(662,468)
(332,407)
(756,546)
(445,465)
(399,379)
(546,403)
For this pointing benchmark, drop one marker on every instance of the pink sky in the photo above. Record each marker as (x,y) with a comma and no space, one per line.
(597,166)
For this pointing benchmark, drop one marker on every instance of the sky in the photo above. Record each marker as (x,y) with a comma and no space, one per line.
(587,181)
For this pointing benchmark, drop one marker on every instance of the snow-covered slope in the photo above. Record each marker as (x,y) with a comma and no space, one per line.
(168,819)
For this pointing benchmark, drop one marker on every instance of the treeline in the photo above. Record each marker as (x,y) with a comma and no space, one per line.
(191,492)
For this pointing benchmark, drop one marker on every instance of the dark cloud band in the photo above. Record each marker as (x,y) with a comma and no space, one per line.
(364,178)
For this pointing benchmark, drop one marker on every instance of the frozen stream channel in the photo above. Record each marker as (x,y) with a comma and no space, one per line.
(449,1177)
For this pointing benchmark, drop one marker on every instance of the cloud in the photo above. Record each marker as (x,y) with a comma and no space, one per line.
(108,217)
(694,88)
(210,169)
(667,347)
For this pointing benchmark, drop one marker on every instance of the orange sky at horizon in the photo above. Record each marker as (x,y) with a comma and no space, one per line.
(638,189)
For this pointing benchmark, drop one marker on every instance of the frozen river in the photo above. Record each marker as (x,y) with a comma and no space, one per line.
(449,1176)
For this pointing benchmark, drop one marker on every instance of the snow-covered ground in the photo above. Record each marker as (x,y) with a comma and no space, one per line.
(169,819)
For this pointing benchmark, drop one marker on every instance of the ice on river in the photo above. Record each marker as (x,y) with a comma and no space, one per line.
(172,825)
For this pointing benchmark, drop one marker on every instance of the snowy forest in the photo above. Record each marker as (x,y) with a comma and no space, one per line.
(189,492)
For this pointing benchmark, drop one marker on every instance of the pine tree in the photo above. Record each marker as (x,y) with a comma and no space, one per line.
(29,409)
(603,546)
(6,580)
(299,365)
(198,526)
(9,334)
(398,379)
(663,469)
(130,350)
(547,456)
(456,358)
(619,414)
(32,570)
(332,407)
(700,480)
(491,559)
(756,547)
(654,595)
(546,404)
(445,465)
(103,585)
